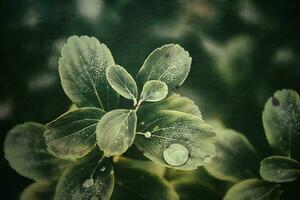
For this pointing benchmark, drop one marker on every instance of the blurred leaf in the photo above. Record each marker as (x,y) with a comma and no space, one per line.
(26,151)
(169,63)
(73,134)
(91,178)
(82,68)
(116,131)
(177,140)
(236,158)
(136,183)
(281,120)
(279,169)
(154,91)
(253,189)
(122,82)
(39,191)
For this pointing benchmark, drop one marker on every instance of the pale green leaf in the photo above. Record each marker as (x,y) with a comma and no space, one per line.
(154,91)
(116,131)
(122,82)
(253,189)
(279,169)
(92,178)
(26,151)
(73,135)
(177,140)
(39,191)
(169,63)
(82,68)
(281,120)
(173,102)
(236,158)
(136,183)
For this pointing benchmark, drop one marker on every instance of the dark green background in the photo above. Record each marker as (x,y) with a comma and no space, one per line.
(33,31)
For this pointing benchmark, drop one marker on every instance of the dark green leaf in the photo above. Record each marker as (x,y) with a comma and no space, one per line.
(26,151)
(122,82)
(253,189)
(281,119)
(136,183)
(82,68)
(236,158)
(154,91)
(169,63)
(176,139)
(39,191)
(89,179)
(279,169)
(73,135)
(116,131)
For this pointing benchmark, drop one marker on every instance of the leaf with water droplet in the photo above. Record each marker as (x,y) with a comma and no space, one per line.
(169,63)
(116,131)
(154,91)
(189,131)
(236,158)
(82,68)
(26,152)
(129,177)
(279,169)
(281,120)
(85,180)
(253,189)
(39,191)
(73,134)
(122,82)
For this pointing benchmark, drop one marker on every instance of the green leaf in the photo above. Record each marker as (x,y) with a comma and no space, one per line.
(39,191)
(82,68)
(253,189)
(169,63)
(279,169)
(89,179)
(26,151)
(174,102)
(122,82)
(136,183)
(73,135)
(116,131)
(154,91)
(176,139)
(281,120)
(236,158)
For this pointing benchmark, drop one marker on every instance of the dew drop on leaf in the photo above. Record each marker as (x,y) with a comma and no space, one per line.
(207,159)
(147,134)
(176,155)
(102,169)
(88,183)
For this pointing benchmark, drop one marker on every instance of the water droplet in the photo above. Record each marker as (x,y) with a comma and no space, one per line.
(207,159)
(147,134)
(142,123)
(176,155)
(102,169)
(88,183)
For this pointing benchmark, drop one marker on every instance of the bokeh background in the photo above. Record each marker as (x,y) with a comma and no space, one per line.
(242,51)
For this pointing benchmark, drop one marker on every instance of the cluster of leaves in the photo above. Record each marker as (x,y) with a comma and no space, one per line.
(238,162)
(63,156)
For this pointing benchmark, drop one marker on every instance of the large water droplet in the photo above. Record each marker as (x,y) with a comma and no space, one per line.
(176,155)
(88,183)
